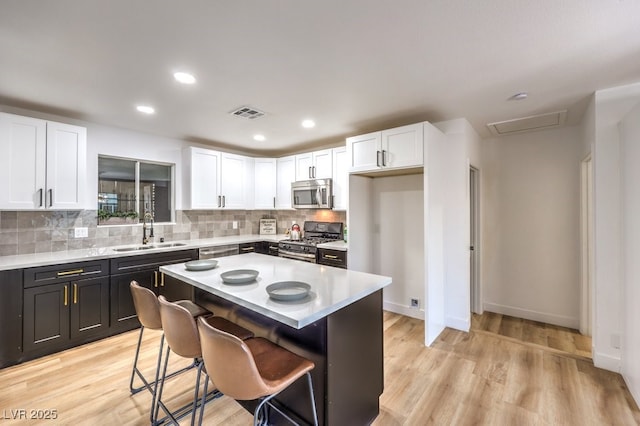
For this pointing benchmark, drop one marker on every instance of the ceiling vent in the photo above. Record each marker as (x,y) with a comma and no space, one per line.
(247,112)
(529,124)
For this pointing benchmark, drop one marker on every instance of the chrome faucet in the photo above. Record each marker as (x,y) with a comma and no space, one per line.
(149,216)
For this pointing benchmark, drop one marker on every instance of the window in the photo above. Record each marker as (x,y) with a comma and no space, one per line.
(127,189)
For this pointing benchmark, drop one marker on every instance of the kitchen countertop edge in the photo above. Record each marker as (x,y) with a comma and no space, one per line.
(22,261)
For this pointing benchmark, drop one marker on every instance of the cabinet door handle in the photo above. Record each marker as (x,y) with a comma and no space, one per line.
(155,279)
(50,197)
(219,201)
(224,201)
(314,171)
(75,293)
(310,175)
(274,202)
(41,191)
(161,279)
(378,158)
(66,295)
(384,158)
(73,272)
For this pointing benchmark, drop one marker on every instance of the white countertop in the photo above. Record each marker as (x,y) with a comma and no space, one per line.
(70,256)
(331,288)
(335,245)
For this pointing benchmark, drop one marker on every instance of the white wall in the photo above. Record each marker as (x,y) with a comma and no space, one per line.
(360,224)
(630,150)
(460,150)
(397,210)
(531,194)
(611,106)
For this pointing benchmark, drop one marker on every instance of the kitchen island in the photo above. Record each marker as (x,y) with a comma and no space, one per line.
(338,326)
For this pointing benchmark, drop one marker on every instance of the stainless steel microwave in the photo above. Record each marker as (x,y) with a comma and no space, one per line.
(312,194)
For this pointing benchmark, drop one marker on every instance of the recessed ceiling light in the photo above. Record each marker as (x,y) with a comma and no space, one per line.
(308,124)
(184,78)
(519,96)
(146,109)
(259,138)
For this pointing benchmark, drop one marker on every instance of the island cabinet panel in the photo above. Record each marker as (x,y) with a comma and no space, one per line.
(144,270)
(10,317)
(346,347)
(64,306)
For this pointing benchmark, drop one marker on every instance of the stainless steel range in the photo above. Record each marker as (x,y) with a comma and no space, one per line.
(314,233)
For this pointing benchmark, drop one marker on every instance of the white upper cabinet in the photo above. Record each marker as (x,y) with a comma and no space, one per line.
(314,165)
(340,178)
(236,181)
(286,173)
(217,180)
(401,147)
(43,164)
(201,178)
(265,183)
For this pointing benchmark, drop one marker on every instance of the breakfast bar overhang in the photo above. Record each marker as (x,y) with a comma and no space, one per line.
(338,326)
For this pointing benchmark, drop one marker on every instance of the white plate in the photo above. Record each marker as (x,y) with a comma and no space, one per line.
(201,265)
(288,290)
(239,276)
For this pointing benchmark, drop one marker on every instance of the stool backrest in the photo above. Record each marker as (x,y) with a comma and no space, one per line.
(180,329)
(230,364)
(146,304)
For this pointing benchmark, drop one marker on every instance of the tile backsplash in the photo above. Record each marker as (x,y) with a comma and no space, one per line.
(26,232)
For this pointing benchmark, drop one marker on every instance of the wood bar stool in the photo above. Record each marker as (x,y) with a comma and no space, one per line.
(181,332)
(148,311)
(252,369)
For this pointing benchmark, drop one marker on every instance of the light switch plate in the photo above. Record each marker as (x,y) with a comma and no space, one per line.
(81,232)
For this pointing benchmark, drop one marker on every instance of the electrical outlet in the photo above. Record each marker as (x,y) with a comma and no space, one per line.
(415,303)
(235,224)
(81,232)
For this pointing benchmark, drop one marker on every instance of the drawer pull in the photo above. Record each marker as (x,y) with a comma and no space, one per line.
(74,272)
(330,256)
(248,248)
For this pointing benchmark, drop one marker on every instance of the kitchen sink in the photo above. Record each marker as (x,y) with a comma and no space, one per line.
(162,245)
(148,247)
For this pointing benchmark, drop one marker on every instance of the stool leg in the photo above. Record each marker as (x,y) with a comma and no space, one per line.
(155,387)
(195,395)
(204,399)
(313,399)
(134,370)
(157,399)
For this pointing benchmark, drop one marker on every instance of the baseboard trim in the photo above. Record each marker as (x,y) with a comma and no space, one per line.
(607,362)
(545,317)
(403,310)
(462,324)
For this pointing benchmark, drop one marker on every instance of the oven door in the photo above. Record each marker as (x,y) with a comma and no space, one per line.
(305,257)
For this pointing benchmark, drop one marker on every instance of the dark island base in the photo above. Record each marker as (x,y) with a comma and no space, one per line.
(346,347)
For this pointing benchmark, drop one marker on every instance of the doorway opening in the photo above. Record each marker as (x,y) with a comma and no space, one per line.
(474,263)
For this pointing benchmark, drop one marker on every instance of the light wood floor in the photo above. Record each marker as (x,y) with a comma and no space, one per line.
(552,337)
(479,378)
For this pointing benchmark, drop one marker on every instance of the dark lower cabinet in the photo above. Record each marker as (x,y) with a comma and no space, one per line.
(145,270)
(10,317)
(64,306)
(337,258)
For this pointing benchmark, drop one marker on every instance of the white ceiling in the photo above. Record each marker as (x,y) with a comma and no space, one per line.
(352,65)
